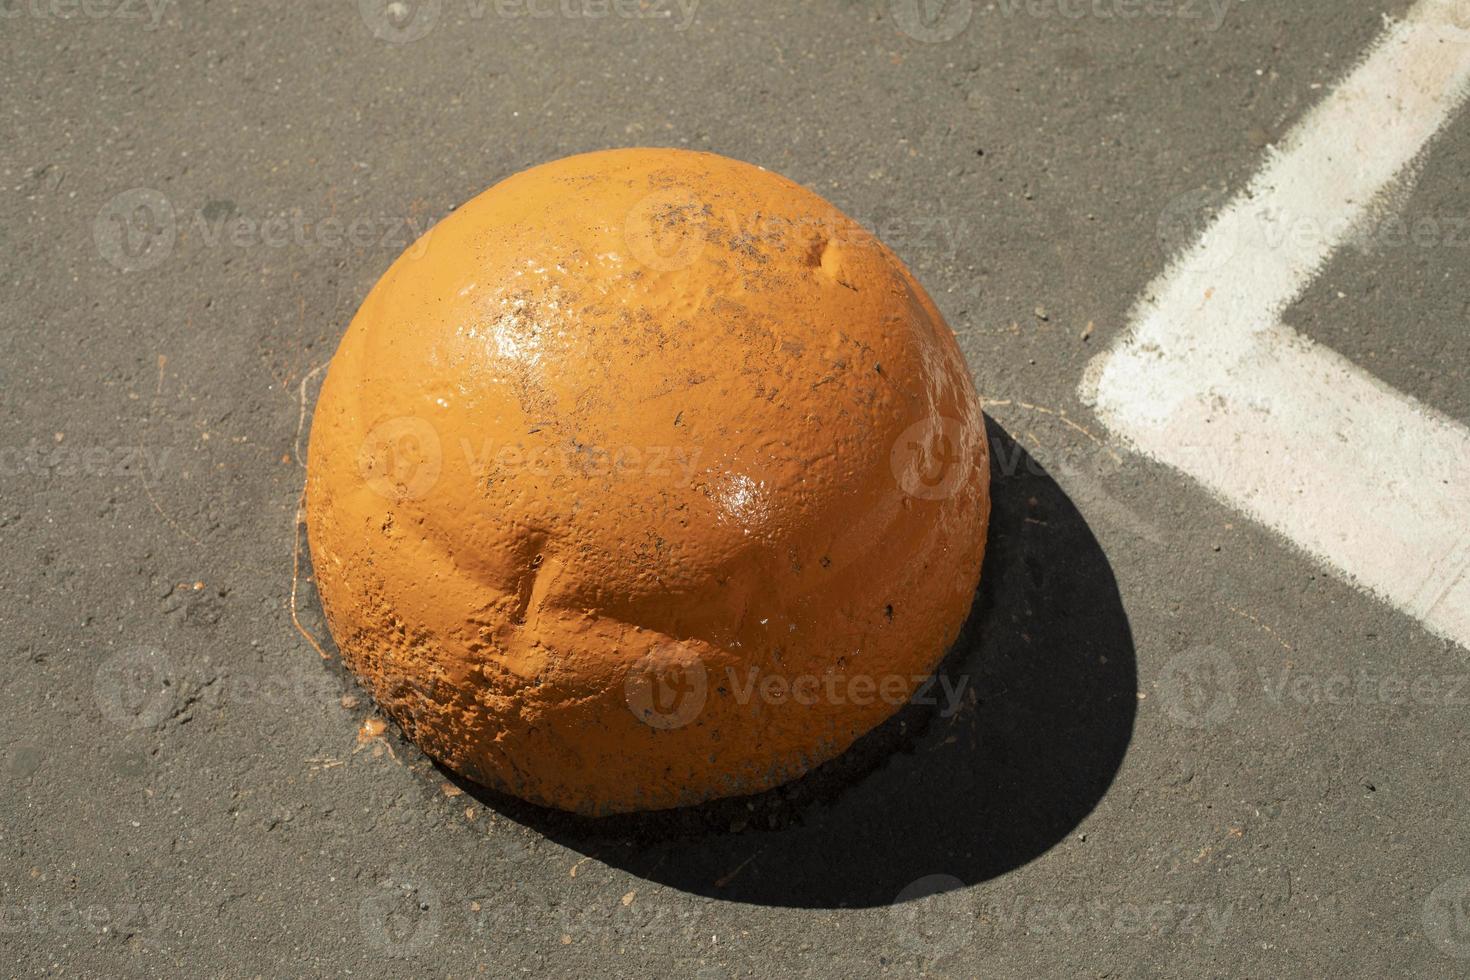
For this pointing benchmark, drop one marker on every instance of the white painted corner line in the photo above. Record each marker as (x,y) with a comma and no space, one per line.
(1208,380)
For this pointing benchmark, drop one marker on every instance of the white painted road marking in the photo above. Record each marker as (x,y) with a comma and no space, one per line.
(1208,380)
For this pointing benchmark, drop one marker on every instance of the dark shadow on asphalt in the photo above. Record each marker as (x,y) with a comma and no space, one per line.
(1047,714)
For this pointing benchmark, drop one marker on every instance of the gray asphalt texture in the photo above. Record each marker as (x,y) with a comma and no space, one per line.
(1191,751)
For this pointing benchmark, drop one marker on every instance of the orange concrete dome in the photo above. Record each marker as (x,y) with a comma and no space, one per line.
(647,477)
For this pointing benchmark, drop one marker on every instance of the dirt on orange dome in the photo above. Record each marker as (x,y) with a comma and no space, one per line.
(646,477)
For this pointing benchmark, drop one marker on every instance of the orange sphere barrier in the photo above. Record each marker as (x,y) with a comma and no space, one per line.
(646,477)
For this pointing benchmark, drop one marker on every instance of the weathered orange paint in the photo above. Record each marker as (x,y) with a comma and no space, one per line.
(646,477)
